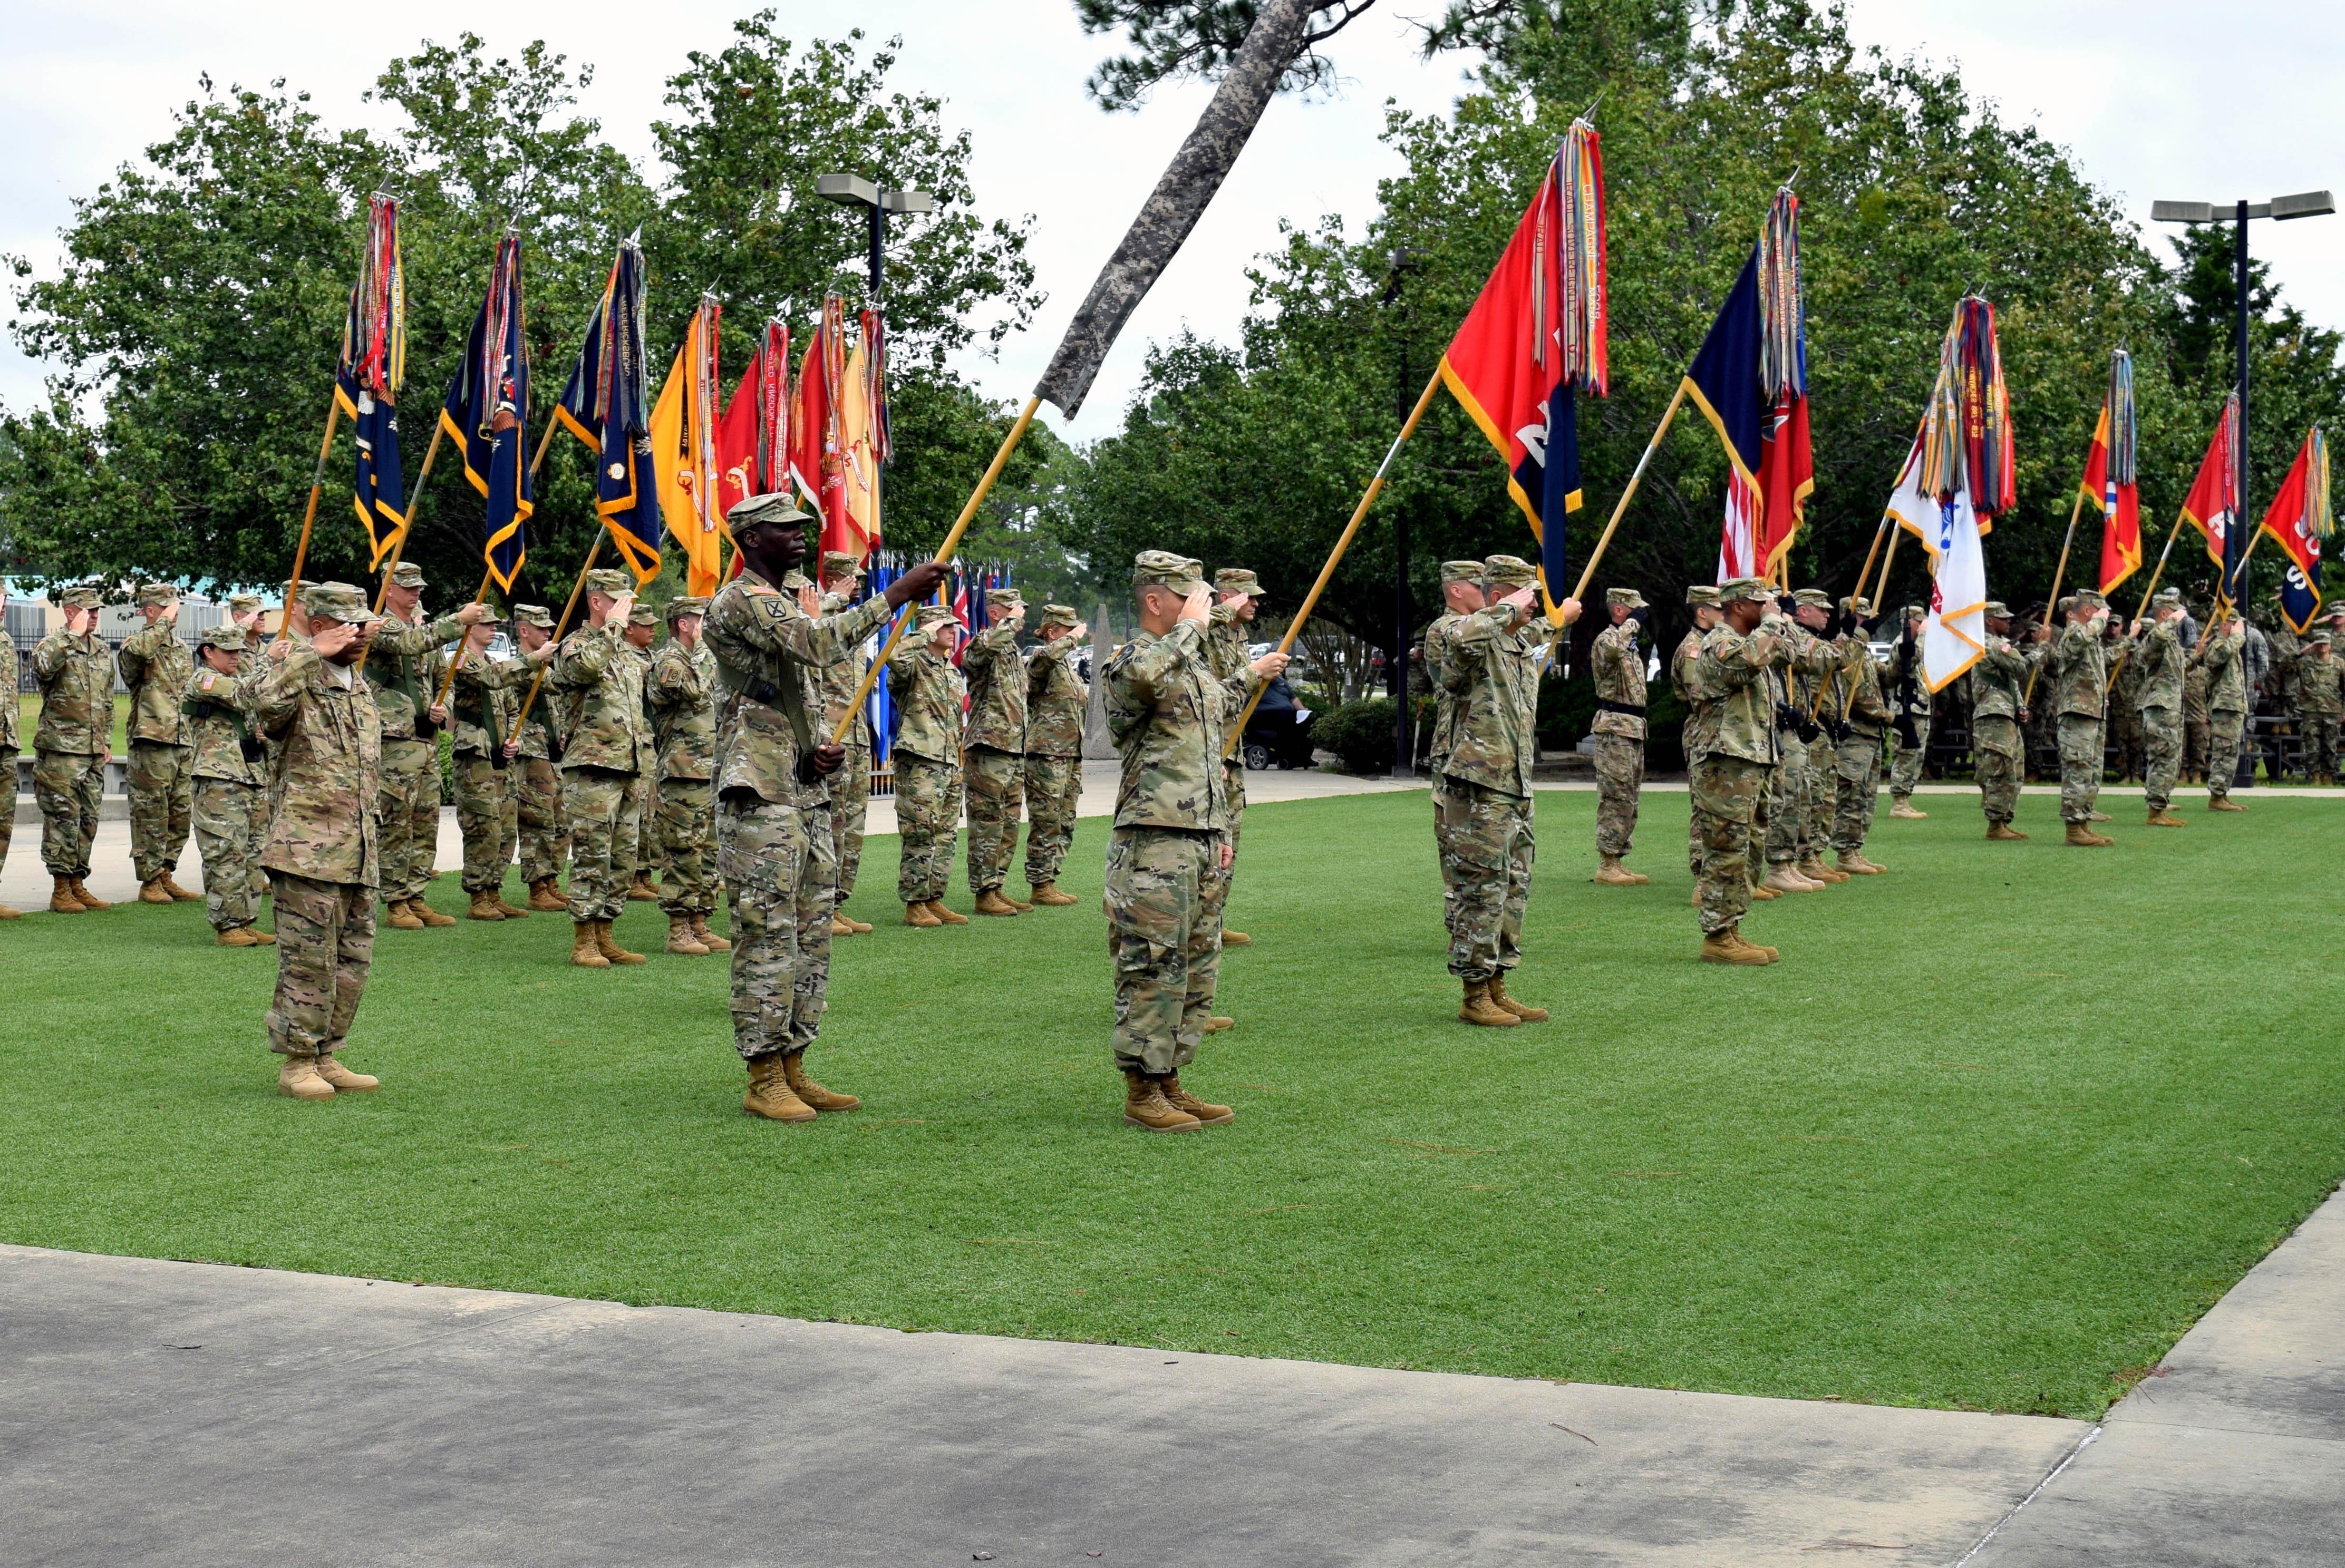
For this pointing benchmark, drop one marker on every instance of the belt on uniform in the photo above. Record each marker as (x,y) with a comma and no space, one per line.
(1634,710)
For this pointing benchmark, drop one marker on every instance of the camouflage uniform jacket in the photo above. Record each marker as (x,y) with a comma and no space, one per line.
(1056,700)
(926,692)
(10,681)
(2321,685)
(1170,718)
(1619,669)
(483,700)
(1440,647)
(328,789)
(155,665)
(1730,684)
(681,691)
(1999,679)
(996,674)
(536,730)
(212,710)
(1685,680)
(2157,664)
(838,684)
(2194,693)
(77,678)
(601,683)
(400,669)
(1862,706)
(2286,659)
(2080,668)
(1228,657)
(769,655)
(1492,668)
(1806,661)
(2226,680)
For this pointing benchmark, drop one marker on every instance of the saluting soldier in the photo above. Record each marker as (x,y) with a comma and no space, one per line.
(1056,700)
(2220,653)
(1461,595)
(926,691)
(1619,665)
(993,750)
(403,673)
(324,850)
(606,761)
(226,767)
(250,612)
(2320,702)
(1737,725)
(851,787)
(485,696)
(536,779)
(1804,658)
(9,743)
(1237,599)
(681,691)
(155,666)
(1701,600)
(1998,713)
(2078,667)
(1911,711)
(643,846)
(71,744)
(2158,661)
(1863,718)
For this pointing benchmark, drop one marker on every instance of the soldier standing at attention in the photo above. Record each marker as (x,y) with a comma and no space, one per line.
(155,666)
(2219,654)
(1909,711)
(2157,663)
(10,681)
(1998,710)
(2196,721)
(403,673)
(71,744)
(1461,596)
(1619,665)
(681,691)
(1056,700)
(773,838)
(1804,658)
(1237,597)
(994,750)
(324,848)
(850,786)
(606,758)
(227,769)
(536,780)
(2320,701)
(1863,717)
(1734,699)
(1169,717)
(642,845)
(926,691)
(1492,668)
(1701,598)
(486,693)
(246,610)
(2080,669)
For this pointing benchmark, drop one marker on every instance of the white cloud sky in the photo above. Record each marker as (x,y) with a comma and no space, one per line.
(2156,97)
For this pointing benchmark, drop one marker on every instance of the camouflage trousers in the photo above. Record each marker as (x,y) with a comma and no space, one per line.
(687,844)
(222,818)
(2318,730)
(640,834)
(1995,745)
(2223,750)
(1165,942)
(2080,766)
(1693,823)
(325,945)
(1905,765)
(411,817)
(995,784)
(488,818)
(2161,743)
(1486,852)
(1053,786)
(1217,887)
(1817,798)
(1726,795)
(1858,788)
(162,779)
(1620,775)
(545,832)
(8,819)
(850,805)
(927,818)
(603,808)
(67,785)
(780,874)
(1787,802)
(2195,738)
(259,839)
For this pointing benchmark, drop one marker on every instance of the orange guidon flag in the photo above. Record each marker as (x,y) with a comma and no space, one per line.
(683,453)
(2110,476)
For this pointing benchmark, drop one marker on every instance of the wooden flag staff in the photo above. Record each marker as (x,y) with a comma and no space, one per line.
(2143,609)
(2052,605)
(399,546)
(309,516)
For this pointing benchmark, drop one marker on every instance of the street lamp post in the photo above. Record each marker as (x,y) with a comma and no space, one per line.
(1404,733)
(2280,210)
(853,190)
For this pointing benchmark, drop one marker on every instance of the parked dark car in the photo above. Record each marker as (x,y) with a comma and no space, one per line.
(1279,734)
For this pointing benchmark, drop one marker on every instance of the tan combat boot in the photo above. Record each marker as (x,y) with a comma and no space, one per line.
(61,897)
(1497,994)
(179,893)
(1852,861)
(8,913)
(344,1081)
(1726,946)
(1015,904)
(1762,894)
(1235,938)
(860,927)
(299,1079)
(2082,835)
(1771,954)
(640,890)
(610,949)
(237,937)
(1215,1022)
(680,937)
(1814,869)
(991,902)
(1901,808)
(1145,1106)
(584,951)
(151,891)
(2003,831)
(510,911)
(936,907)
(919,914)
(1477,1009)
(402,918)
(1783,879)
(261,938)
(484,906)
(1207,1113)
(769,1093)
(1609,875)
(88,900)
(2214,803)
(2162,817)
(713,942)
(841,927)
(1047,896)
(810,1092)
(429,915)
(545,894)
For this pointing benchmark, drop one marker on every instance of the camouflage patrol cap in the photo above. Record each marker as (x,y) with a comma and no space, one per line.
(1996,609)
(1163,569)
(774,506)
(685,604)
(1812,598)
(932,616)
(406,574)
(2164,596)
(1460,572)
(2090,598)
(1737,589)
(532,615)
(837,563)
(337,602)
(244,603)
(1237,580)
(2322,637)
(1511,570)
(1624,598)
(227,636)
(642,614)
(1061,615)
(1857,602)
(795,580)
(832,604)
(150,593)
(1915,612)
(1702,595)
(610,579)
(1004,602)
(77,596)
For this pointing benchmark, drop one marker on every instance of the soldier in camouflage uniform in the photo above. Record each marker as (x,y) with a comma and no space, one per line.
(993,750)
(682,691)
(2078,665)
(2158,660)
(1491,666)
(155,666)
(1734,709)
(2283,682)
(484,695)
(1802,659)
(9,682)
(2117,719)
(2219,654)
(1056,700)
(773,846)
(71,745)
(2198,725)
(1237,597)
(1863,719)
(2126,737)
(1701,598)
(1461,596)
(227,764)
(1998,709)
(324,849)
(2320,702)
(642,845)
(249,611)
(851,787)
(1911,711)
(1618,663)
(925,691)
(536,781)
(403,667)
(606,761)
(1169,716)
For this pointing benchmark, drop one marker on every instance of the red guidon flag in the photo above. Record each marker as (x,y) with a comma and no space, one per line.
(2109,478)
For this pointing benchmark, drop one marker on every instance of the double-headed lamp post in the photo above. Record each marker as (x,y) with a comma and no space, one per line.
(853,190)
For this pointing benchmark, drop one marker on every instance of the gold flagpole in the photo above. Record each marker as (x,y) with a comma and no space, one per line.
(562,625)
(1621,506)
(309,516)
(464,643)
(2143,608)
(399,545)
(2052,607)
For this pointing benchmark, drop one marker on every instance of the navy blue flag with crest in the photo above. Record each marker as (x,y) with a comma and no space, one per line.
(367,379)
(487,413)
(607,405)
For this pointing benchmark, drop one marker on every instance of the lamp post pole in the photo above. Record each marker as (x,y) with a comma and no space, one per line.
(1404,609)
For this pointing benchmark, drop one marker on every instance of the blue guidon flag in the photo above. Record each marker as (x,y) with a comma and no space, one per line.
(487,413)
(607,405)
(367,379)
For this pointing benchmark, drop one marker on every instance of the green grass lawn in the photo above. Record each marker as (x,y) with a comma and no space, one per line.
(28,720)
(1997,1130)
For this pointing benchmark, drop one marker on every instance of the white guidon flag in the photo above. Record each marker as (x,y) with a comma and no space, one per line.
(1954,635)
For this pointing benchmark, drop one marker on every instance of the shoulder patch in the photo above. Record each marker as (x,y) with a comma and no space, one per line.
(211,679)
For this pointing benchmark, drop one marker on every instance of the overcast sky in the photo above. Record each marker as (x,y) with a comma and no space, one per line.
(2156,97)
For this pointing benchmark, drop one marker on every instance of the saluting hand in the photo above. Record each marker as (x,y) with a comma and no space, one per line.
(335,636)
(1198,606)
(810,601)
